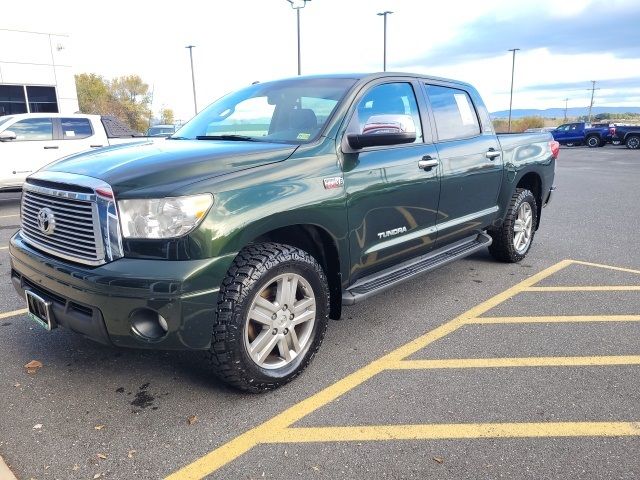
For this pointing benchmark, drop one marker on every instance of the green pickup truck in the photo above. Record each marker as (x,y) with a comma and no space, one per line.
(250,227)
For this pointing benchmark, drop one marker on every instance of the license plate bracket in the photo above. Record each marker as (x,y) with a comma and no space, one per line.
(39,310)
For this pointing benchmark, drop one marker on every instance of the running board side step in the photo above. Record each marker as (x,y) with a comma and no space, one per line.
(381,281)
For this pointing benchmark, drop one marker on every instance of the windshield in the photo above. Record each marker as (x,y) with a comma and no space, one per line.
(287,111)
(153,131)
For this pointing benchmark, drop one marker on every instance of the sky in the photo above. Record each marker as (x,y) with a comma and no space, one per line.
(563,44)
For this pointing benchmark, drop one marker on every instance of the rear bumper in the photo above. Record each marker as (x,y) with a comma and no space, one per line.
(98,302)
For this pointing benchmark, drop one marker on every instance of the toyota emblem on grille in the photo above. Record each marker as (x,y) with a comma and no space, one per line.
(46,221)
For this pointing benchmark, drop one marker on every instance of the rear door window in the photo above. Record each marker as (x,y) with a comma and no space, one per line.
(454,113)
(75,128)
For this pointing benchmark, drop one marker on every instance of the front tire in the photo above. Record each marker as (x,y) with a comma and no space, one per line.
(633,142)
(512,241)
(593,141)
(271,319)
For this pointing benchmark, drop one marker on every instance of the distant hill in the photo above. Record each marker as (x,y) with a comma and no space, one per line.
(559,112)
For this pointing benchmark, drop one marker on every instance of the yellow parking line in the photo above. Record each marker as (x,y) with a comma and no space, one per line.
(609,267)
(555,319)
(13,314)
(457,431)
(517,362)
(585,288)
(274,428)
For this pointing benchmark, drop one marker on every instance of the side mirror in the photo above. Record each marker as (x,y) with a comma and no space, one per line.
(7,135)
(381,130)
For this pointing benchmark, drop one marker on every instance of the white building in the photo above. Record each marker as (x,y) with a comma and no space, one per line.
(35,73)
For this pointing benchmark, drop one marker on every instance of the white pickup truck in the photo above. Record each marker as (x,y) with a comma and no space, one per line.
(30,141)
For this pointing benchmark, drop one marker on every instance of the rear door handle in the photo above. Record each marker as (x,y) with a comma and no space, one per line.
(95,146)
(427,162)
(51,148)
(492,153)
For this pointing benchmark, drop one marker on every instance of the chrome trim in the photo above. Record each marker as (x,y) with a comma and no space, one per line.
(466,218)
(84,197)
(430,230)
(101,216)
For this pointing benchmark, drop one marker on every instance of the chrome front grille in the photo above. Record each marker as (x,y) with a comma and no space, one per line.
(73,225)
(74,235)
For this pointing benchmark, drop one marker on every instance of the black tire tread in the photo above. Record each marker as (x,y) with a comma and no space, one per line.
(502,248)
(248,266)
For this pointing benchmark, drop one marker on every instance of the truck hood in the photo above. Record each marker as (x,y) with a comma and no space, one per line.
(164,166)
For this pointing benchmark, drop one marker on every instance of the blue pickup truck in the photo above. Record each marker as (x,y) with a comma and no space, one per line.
(578,133)
(628,135)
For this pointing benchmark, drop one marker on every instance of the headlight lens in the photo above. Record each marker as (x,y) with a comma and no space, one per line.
(163,217)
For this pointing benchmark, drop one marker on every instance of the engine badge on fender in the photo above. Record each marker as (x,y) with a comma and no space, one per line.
(333,182)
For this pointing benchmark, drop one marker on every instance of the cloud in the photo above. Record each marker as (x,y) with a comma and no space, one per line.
(614,83)
(603,27)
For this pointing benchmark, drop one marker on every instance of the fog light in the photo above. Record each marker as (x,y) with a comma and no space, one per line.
(148,324)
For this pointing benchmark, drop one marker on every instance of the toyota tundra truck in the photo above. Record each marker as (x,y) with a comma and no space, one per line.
(247,230)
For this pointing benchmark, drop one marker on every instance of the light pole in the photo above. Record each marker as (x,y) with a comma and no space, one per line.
(566,102)
(193,78)
(384,43)
(513,68)
(297,5)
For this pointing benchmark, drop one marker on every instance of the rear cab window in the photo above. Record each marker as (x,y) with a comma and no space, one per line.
(454,113)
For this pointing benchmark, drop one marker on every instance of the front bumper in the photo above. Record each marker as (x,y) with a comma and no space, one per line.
(98,302)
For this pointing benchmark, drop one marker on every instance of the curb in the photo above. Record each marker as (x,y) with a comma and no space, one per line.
(5,473)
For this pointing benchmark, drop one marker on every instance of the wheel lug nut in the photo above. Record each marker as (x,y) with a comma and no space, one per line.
(291,317)
(285,307)
(274,331)
(274,316)
(285,331)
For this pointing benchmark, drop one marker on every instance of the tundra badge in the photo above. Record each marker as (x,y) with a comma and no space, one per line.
(391,233)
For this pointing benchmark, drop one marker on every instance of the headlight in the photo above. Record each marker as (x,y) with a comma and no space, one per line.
(162,217)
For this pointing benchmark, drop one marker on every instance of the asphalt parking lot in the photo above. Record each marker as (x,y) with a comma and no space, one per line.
(476,370)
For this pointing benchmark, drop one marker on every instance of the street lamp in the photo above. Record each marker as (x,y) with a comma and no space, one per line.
(513,67)
(193,78)
(384,45)
(297,5)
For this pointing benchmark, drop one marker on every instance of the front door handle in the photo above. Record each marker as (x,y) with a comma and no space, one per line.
(427,162)
(53,147)
(492,153)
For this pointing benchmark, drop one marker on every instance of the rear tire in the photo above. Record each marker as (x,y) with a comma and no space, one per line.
(633,142)
(260,340)
(512,241)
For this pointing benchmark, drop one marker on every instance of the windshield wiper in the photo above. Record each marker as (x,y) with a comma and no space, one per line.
(239,138)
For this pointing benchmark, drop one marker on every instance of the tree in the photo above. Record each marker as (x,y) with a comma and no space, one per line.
(132,97)
(124,97)
(166,116)
(93,93)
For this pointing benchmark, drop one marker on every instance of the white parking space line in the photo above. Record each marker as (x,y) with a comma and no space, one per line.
(7,216)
